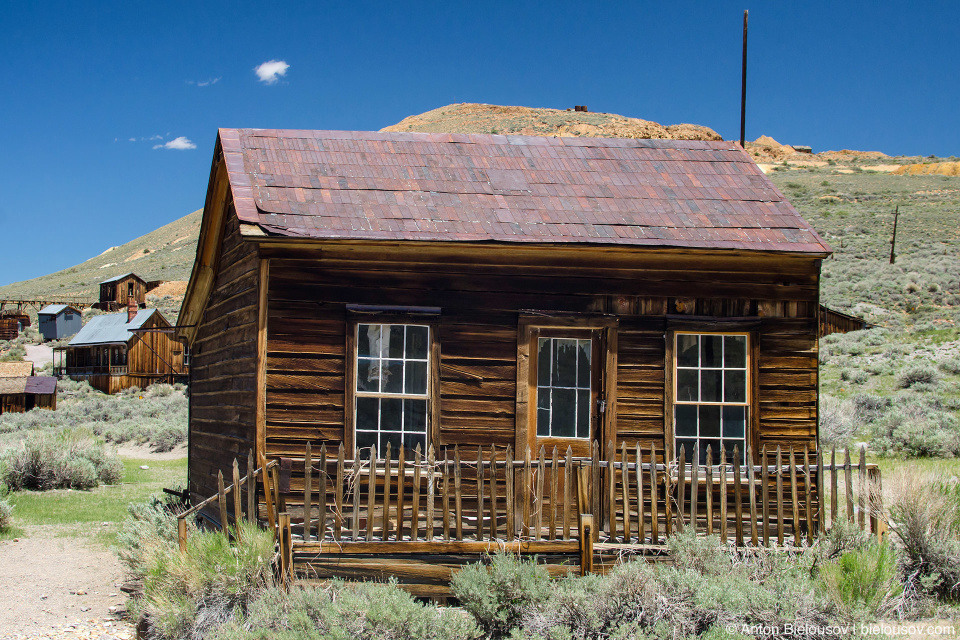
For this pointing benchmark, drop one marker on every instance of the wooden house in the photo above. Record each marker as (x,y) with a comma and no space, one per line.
(116,292)
(23,393)
(56,321)
(116,351)
(432,291)
(12,322)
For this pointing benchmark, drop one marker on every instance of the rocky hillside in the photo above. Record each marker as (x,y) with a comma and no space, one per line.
(527,121)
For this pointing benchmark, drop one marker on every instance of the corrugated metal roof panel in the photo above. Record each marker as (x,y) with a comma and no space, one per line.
(55,309)
(470,187)
(126,275)
(110,329)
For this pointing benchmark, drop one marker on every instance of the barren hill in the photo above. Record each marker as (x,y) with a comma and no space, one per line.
(491,118)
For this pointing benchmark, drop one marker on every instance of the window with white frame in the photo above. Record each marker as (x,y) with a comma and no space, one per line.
(711,393)
(392,385)
(564,387)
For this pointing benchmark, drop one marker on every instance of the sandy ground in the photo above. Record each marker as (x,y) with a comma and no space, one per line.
(54,584)
(39,354)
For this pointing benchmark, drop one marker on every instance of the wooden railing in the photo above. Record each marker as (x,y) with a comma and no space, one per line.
(633,498)
(625,500)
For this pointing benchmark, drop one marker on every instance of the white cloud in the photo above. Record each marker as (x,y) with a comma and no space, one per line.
(205,83)
(180,143)
(269,72)
(132,139)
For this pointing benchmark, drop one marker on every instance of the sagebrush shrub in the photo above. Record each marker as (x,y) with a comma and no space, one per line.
(924,517)
(66,460)
(917,374)
(6,514)
(498,593)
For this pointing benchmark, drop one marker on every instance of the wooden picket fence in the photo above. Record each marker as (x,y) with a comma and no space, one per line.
(620,500)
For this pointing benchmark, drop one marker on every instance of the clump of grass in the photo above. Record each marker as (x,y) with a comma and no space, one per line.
(189,594)
(862,580)
(914,428)
(924,517)
(6,514)
(67,460)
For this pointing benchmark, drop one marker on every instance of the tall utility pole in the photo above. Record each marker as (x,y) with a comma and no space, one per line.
(743,85)
(893,240)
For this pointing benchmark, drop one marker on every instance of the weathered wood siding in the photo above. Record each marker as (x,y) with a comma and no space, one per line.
(481,293)
(118,293)
(154,353)
(223,373)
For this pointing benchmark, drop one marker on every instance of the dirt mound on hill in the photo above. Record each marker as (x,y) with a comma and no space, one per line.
(765,149)
(845,155)
(490,118)
(175,288)
(930,168)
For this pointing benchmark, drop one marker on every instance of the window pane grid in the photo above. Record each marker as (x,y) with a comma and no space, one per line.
(392,368)
(564,384)
(711,404)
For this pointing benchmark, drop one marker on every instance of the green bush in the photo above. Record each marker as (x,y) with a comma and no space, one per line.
(188,595)
(862,581)
(499,592)
(346,611)
(66,460)
(915,428)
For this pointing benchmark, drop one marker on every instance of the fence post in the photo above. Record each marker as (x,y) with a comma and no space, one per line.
(586,543)
(237,499)
(267,494)
(307,493)
(251,489)
(182,534)
(222,501)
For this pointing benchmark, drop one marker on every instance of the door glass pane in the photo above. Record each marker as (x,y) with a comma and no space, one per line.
(543,362)
(564,413)
(565,360)
(583,363)
(583,413)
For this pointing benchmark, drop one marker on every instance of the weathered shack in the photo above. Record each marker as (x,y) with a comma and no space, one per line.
(832,321)
(121,350)
(12,322)
(426,291)
(56,321)
(23,393)
(116,292)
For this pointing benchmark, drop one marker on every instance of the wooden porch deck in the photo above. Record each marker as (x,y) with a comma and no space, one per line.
(419,520)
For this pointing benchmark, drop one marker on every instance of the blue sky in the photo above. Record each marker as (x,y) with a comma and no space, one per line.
(95,93)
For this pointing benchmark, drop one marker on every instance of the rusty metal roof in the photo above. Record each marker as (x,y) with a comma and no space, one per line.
(470,187)
(16,369)
(41,384)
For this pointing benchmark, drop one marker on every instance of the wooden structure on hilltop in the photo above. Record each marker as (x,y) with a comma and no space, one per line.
(12,322)
(117,351)
(116,292)
(39,302)
(431,294)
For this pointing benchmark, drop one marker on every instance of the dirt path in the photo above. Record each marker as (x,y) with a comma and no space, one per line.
(38,354)
(56,584)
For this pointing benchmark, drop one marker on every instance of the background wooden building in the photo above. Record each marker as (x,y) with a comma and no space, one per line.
(832,321)
(116,292)
(12,322)
(21,369)
(472,290)
(56,321)
(23,393)
(131,349)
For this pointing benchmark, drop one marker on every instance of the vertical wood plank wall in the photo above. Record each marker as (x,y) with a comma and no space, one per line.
(223,366)
(481,293)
